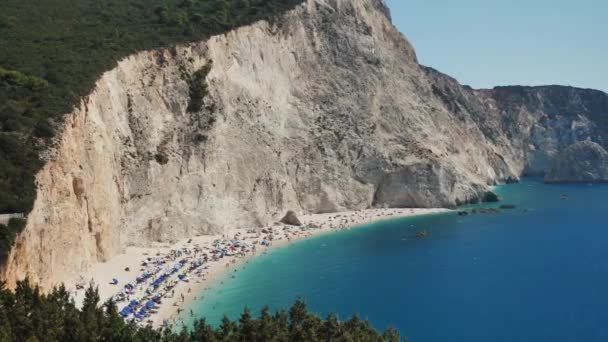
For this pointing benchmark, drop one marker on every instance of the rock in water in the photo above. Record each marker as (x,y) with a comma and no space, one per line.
(422,234)
(508,206)
(489,196)
(291,219)
(582,162)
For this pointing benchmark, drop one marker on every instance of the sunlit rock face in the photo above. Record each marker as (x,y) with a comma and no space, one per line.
(325,109)
(582,162)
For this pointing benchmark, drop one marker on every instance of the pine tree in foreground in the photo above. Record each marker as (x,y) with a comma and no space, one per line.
(29,315)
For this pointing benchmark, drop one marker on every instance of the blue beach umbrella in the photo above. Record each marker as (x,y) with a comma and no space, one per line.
(126,311)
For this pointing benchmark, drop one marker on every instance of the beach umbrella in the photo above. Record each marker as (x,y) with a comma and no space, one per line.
(126,311)
(134,302)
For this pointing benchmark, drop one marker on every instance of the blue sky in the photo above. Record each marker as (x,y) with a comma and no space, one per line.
(484,43)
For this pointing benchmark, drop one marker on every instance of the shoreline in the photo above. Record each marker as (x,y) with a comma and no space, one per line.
(127,267)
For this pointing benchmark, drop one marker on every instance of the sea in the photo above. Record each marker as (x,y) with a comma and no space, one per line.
(538,272)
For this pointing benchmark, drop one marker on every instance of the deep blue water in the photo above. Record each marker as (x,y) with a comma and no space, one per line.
(540,275)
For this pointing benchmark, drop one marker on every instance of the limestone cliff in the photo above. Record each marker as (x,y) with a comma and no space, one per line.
(583,162)
(325,109)
(529,125)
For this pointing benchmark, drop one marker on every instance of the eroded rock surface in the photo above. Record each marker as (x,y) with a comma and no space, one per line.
(583,162)
(291,219)
(324,110)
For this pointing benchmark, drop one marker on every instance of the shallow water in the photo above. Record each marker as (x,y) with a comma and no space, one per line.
(534,275)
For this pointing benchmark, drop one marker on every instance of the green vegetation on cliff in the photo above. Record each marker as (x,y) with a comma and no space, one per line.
(53,51)
(8,234)
(29,315)
(198,87)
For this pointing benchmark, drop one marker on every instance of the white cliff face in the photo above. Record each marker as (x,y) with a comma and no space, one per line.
(582,162)
(323,111)
(551,136)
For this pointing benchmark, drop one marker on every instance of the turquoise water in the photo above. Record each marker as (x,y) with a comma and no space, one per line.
(534,275)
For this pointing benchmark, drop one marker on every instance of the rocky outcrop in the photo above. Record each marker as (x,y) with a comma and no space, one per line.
(583,162)
(291,219)
(325,109)
(528,125)
(548,119)
(490,197)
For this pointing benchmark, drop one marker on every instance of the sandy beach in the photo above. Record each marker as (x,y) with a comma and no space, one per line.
(199,261)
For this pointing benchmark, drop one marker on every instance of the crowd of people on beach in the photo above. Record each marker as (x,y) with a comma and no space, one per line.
(161,275)
(164,278)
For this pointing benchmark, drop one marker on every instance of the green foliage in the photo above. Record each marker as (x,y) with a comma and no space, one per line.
(29,315)
(8,233)
(53,51)
(18,166)
(198,87)
(17,79)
